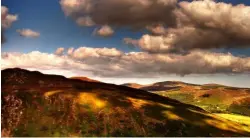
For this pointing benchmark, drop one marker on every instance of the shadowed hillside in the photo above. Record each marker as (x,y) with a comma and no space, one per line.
(34,104)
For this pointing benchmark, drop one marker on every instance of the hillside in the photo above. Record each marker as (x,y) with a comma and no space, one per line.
(211,97)
(133,85)
(84,79)
(35,104)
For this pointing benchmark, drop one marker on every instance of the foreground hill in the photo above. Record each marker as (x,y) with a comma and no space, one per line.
(211,97)
(35,104)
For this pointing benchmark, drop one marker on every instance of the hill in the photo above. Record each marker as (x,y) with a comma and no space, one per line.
(211,97)
(84,79)
(166,85)
(35,104)
(133,85)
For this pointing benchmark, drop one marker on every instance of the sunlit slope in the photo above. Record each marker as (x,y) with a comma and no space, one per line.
(217,100)
(243,120)
(211,97)
(77,108)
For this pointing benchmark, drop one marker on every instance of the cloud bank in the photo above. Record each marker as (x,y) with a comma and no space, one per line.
(110,62)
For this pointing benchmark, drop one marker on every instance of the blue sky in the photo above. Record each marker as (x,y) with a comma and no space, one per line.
(56,30)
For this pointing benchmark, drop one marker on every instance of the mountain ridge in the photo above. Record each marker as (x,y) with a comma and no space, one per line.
(83,78)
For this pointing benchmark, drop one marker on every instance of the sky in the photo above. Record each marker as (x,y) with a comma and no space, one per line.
(56,29)
(142,41)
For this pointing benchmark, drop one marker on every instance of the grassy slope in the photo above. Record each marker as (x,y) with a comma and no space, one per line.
(77,108)
(73,112)
(231,104)
(219,100)
(243,120)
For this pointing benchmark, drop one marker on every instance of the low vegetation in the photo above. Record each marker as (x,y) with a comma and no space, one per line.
(79,108)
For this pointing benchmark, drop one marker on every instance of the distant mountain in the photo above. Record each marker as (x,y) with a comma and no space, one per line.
(36,104)
(214,84)
(133,85)
(166,85)
(84,79)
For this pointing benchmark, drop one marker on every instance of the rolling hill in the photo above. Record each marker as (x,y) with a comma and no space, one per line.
(133,85)
(35,104)
(211,97)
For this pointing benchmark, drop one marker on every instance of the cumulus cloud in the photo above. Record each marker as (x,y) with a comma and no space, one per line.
(188,24)
(154,44)
(110,62)
(59,51)
(203,25)
(231,24)
(136,13)
(6,21)
(104,31)
(28,33)
(86,52)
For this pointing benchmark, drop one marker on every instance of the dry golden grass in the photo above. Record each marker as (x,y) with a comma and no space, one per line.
(243,120)
(50,93)
(91,99)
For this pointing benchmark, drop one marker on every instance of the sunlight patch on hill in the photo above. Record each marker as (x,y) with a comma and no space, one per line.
(92,99)
(50,93)
(244,120)
(137,103)
(170,115)
(224,124)
(166,106)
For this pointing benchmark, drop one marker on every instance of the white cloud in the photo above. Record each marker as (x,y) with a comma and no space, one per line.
(40,61)
(86,52)
(104,62)
(6,21)
(155,44)
(28,33)
(104,31)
